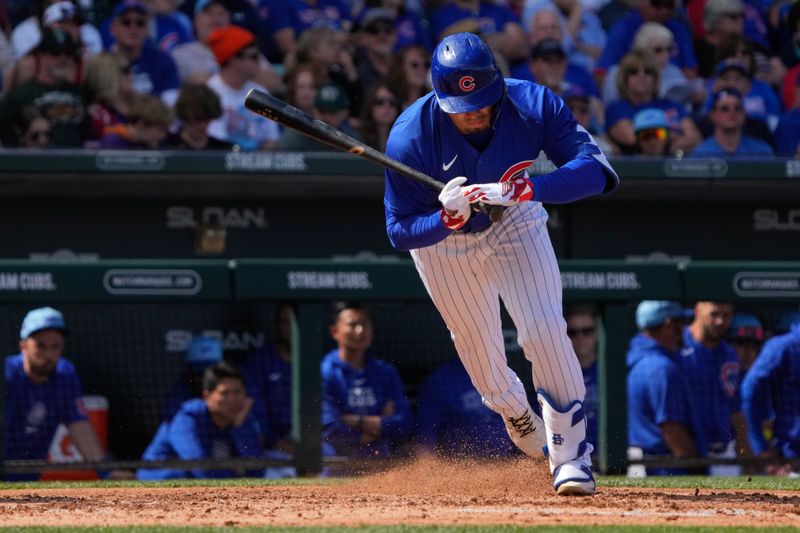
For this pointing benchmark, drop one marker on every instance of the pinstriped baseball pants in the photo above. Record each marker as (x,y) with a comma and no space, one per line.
(467,274)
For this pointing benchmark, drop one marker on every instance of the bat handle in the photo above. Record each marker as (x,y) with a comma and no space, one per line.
(495,212)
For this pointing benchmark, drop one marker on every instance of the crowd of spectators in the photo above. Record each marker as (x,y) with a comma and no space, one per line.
(724,73)
(715,385)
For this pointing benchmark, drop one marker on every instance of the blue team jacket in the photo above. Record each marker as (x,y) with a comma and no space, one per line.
(365,391)
(192,435)
(774,381)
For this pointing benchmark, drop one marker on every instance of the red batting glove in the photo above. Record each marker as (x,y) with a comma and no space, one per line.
(505,193)
(455,206)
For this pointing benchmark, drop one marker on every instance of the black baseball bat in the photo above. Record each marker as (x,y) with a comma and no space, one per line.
(283,113)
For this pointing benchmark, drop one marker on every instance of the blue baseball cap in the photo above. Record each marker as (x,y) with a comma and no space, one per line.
(731,64)
(203,351)
(744,326)
(648,119)
(41,319)
(725,92)
(128,5)
(652,313)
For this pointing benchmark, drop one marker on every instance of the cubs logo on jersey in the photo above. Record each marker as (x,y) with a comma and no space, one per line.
(729,377)
(517,170)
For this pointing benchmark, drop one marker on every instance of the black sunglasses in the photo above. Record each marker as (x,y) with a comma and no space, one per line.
(129,23)
(376,29)
(574,332)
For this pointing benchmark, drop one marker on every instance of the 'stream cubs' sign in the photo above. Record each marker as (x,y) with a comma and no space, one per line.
(27,281)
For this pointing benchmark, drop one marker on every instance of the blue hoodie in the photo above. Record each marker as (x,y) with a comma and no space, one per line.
(365,391)
(658,392)
(774,379)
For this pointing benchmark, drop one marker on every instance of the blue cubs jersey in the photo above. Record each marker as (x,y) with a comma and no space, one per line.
(528,119)
(34,411)
(773,382)
(714,377)
(365,391)
(658,392)
(192,435)
(269,381)
(453,420)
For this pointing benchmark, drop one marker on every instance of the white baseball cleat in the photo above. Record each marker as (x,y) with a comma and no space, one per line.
(527,433)
(574,478)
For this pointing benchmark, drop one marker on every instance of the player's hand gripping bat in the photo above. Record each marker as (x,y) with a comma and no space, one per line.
(279,111)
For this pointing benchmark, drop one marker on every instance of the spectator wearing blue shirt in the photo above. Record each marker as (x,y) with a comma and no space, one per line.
(638,82)
(286,20)
(621,35)
(408,23)
(454,422)
(42,390)
(713,369)
(164,31)
(582,324)
(728,117)
(153,71)
(218,426)
(548,66)
(585,35)
(787,134)
(773,382)
(661,407)
(202,352)
(365,412)
(496,24)
(760,101)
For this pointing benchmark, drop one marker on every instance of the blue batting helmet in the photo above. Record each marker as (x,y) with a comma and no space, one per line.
(465,74)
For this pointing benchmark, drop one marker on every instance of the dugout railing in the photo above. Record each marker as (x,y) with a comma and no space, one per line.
(130,320)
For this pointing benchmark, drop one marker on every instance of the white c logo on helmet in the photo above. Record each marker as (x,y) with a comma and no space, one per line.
(467,83)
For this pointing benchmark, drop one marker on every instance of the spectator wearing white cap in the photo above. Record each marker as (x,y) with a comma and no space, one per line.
(43,390)
(60,14)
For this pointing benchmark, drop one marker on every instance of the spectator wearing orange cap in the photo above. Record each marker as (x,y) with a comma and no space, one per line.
(237,53)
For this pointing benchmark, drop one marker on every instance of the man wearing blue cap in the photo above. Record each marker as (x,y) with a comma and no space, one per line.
(202,352)
(728,116)
(42,391)
(661,409)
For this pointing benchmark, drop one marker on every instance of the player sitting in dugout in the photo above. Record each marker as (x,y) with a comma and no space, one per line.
(365,412)
(218,426)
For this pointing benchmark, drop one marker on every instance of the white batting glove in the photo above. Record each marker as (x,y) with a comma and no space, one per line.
(455,205)
(506,193)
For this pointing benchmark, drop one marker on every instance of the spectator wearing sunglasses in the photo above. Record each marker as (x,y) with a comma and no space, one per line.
(722,19)
(746,335)
(237,53)
(164,27)
(376,37)
(621,35)
(760,101)
(61,14)
(33,128)
(154,72)
(728,116)
(549,65)
(52,91)
(379,111)
(652,132)
(638,85)
(408,74)
(582,323)
(656,39)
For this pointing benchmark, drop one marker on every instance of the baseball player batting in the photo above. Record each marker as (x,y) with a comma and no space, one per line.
(478,133)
